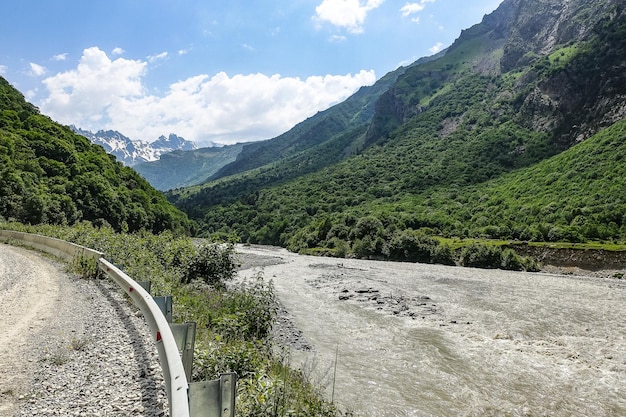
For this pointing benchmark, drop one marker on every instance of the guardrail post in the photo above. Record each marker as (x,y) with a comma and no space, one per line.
(185,336)
(146,285)
(165,304)
(215,398)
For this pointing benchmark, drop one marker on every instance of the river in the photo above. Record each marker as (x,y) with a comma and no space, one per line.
(403,339)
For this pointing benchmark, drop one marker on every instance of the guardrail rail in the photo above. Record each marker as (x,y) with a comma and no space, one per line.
(215,398)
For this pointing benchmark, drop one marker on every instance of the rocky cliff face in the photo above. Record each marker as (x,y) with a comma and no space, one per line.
(568,57)
(576,85)
(537,27)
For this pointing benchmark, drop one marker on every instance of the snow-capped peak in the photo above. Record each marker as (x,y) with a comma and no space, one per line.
(131,152)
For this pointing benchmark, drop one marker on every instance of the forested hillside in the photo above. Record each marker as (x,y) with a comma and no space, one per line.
(48,174)
(515,132)
(184,168)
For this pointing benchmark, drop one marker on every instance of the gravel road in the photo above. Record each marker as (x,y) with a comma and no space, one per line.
(430,340)
(72,347)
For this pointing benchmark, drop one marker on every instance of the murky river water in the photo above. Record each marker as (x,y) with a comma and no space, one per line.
(430,340)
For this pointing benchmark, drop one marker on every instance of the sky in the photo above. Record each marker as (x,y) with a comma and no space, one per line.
(214,71)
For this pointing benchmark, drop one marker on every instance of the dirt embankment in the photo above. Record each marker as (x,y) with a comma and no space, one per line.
(585,259)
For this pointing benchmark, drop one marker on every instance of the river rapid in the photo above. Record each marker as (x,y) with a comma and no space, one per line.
(403,339)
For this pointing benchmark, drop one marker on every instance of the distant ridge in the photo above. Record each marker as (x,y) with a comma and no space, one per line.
(131,152)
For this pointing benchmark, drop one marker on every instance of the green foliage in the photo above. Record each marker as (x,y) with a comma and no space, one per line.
(213,263)
(252,308)
(408,245)
(481,255)
(454,147)
(264,396)
(85,267)
(241,356)
(50,175)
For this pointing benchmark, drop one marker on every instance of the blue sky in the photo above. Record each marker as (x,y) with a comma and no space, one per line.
(221,71)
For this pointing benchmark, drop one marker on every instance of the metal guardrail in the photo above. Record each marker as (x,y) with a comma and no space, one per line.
(171,362)
(197,399)
(57,247)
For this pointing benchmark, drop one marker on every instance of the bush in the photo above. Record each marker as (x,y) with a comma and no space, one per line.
(444,255)
(250,308)
(214,263)
(511,260)
(243,357)
(408,245)
(367,247)
(479,255)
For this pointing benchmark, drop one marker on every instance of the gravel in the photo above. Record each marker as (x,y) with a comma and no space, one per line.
(91,356)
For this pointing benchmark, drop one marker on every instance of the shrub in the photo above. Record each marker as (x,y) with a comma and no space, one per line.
(408,245)
(479,255)
(250,309)
(511,260)
(367,247)
(214,263)
(218,357)
(444,255)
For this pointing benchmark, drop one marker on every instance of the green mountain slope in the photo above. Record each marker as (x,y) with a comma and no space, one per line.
(186,168)
(351,115)
(48,174)
(574,196)
(532,80)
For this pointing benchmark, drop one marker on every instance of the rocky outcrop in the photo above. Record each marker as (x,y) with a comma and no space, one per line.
(579,90)
(538,26)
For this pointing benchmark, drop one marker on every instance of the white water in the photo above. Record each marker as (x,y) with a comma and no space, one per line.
(449,341)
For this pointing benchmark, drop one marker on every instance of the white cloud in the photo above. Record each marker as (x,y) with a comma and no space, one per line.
(436,47)
(105,94)
(337,38)
(84,94)
(117,51)
(3,69)
(30,94)
(412,8)
(36,70)
(153,58)
(60,57)
(348,14)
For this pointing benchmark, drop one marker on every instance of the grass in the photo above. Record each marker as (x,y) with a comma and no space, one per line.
(79,344)
(457,243)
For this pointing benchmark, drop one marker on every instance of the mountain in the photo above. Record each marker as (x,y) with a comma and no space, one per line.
(131,152)
(188,168)
(354,113)
(487,139)
(51,175)
(184,168)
